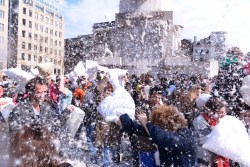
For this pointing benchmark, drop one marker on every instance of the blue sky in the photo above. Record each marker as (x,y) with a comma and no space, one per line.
(198,17)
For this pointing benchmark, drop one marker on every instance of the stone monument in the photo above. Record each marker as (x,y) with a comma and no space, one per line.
(146,40)
(130,6)
(144,31)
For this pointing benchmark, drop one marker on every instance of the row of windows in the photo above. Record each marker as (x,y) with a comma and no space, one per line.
(41,18)
(42,28)
(1,14)
(42,39)
(2,2)
(42,49)
(36,58)
(49,4)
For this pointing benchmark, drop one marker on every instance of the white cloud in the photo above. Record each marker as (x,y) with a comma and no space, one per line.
(80,16)
(199,18)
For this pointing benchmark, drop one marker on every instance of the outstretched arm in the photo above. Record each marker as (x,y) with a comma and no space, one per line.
(159,135)
(129,126)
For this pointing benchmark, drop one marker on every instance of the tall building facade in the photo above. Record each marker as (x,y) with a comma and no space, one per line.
(4,7)
(36,34)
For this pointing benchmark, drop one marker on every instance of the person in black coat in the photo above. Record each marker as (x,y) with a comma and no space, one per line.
(177,145)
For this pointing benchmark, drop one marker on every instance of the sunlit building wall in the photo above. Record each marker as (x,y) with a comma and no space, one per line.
(36,34)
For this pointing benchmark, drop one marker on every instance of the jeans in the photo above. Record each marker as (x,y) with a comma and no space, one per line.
(90,134)
(147,159)
(107,154)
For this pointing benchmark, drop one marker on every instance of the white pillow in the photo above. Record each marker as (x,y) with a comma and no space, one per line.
(112,107)
(202,99)
(74,120)
(229,139)
(6,108)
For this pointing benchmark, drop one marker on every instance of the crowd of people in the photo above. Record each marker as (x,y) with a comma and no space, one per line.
(173,117)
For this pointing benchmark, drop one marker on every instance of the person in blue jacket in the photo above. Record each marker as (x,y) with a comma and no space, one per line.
(177,145)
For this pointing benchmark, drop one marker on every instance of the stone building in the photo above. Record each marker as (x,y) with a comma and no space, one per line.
(139,37)
(142,39)
(212,47)
(77,49)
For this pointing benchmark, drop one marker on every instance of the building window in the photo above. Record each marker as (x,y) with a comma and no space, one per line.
(35,37)
(30,35)
(60,25)
(60,34)
(41,38)
(29,46)
(36,16)
(51,32)
(56,33)
(40,59)
(41,18)
(41,49)
(46,50)
(46,39)
(35,57)
(35,47)
(60,43)
(24,10)
(51,22)
(23,33)
(2,2)
(29,57)
(23,45)
(25,67)
(23,56)
(46,30)
(51,51)
(30,13)
(1,14)
(55,42)
(47,20)
(36,26)
(41,28)
(30,24)
(24,22)
(1,40)
(1,27)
